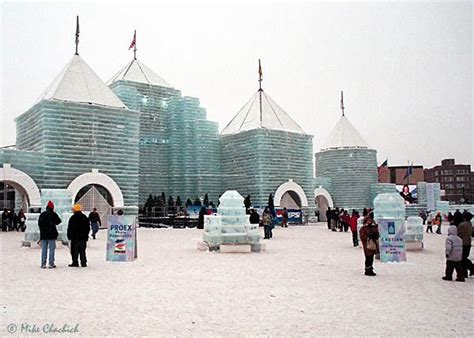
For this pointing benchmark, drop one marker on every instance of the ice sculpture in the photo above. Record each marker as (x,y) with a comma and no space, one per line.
(414,233)
(231,226)
(389,213)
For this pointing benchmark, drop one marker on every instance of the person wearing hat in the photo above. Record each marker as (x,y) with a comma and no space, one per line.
(78,233)
(48,234)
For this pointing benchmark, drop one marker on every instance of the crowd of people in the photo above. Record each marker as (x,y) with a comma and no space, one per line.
(12,221)
(457,246)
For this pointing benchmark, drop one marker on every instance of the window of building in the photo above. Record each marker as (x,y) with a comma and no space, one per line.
(448,179)
(448,186)
(447,172)
(460,171)
(436,172)
(460,185)
(460,178)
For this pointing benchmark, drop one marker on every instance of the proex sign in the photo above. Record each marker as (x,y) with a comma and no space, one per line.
(121,239)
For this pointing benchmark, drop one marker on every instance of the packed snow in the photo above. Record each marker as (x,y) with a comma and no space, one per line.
(308,282)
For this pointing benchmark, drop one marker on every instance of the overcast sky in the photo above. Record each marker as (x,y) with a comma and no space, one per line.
(405,67)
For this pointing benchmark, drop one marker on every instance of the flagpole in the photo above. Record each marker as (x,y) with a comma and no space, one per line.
(77,35)
(135,46)
(408,173)
(342,102)
(260,87)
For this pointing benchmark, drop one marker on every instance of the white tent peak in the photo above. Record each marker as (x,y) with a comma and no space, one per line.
(77,82)
(272,117)
(344,135)
(136,71)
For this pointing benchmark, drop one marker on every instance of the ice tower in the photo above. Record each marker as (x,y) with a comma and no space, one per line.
(265,151)
(178,148)
(78,124)
(349,164)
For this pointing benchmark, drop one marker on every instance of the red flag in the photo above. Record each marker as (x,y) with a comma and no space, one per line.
(132,44)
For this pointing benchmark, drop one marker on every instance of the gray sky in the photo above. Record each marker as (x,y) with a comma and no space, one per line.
(405,67)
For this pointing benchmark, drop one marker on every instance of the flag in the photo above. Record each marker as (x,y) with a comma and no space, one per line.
(259,69)
(132,44)
(409,171)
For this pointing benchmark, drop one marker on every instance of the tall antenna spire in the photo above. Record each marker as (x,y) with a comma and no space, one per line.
(342,102)
(260,90)
(77,35)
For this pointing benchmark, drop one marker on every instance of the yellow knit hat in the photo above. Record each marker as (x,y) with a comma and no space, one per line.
(76,207)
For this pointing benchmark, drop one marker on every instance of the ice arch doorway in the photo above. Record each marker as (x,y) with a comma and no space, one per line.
(96,190)
(290,195)
(23,184)
(323,201)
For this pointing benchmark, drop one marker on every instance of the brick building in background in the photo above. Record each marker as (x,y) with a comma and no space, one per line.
(457,180)
(397,175)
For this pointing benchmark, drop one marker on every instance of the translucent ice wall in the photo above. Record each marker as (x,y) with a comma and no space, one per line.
(179,148)
(75,138)
(258,161)
(352,172)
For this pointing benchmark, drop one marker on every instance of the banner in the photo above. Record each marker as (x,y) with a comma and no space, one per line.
(392,240)
(121,238)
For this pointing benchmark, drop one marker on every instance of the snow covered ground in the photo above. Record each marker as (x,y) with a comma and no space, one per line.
(309,282)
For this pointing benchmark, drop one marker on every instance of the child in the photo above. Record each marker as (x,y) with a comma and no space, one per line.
(429,227)
(453,255)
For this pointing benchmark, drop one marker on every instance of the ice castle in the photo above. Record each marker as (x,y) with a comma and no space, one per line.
(264,151)
(140,136)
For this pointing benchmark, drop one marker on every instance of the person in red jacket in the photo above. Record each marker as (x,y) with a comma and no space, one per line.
(353,226)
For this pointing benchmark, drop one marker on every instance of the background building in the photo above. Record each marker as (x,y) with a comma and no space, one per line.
(456,180)
(398,175)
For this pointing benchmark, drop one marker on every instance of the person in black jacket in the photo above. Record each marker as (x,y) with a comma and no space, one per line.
(254,217)
(94,218)
(78,233)
(48,234)
(202,212)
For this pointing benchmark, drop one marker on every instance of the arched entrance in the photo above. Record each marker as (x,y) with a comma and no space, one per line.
(323,200)
(96,178)
(96,190)
(22,183)
(290,195)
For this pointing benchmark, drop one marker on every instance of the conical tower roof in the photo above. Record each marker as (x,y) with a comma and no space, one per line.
(271,117)
(77,82)
(344,135)
(136,71)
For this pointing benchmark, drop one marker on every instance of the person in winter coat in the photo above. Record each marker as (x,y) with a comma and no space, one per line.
(369,231)
(345,220)
(78,233)
(438,220)
(465,231)
(22,220)
(329,217)
(202,212)
(254,217)
(429,223)
(353,225)
(267,224)
(453,255)
(47,222)
(457,217)
(284,218)
(94,219)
